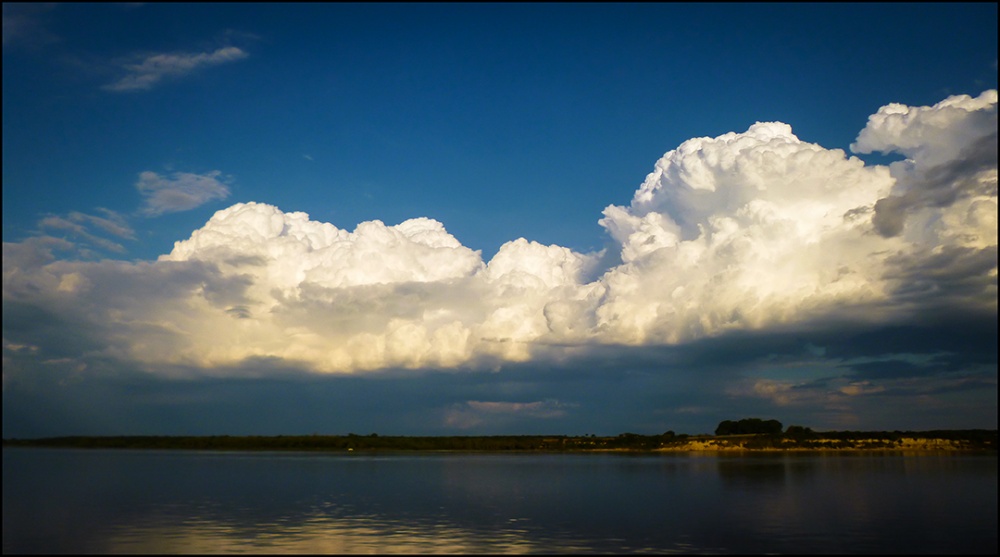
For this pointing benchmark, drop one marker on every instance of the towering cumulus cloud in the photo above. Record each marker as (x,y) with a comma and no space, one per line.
(745,231)
(408,295)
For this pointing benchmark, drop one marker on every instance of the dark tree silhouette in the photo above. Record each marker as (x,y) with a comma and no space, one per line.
(748,426)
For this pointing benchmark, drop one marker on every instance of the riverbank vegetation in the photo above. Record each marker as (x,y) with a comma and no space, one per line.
(793,438)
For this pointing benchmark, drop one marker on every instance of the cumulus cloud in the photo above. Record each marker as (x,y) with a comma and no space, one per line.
(760,228)
(744,230)
(750,231)
(153,69)
(180,192)
(375,297)
(951,162)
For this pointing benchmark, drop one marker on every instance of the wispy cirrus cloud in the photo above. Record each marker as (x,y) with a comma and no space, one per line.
(23,23)
(111,222)
(179,192)
(78,225)
(154,68)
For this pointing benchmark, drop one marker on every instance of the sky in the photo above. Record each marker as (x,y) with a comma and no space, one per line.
(477,219)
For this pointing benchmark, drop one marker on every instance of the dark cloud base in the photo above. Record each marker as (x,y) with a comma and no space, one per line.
(940,374)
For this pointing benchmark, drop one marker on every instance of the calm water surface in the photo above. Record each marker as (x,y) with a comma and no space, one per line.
(103,501)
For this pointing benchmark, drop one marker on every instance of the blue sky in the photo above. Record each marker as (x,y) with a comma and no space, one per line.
(452,218)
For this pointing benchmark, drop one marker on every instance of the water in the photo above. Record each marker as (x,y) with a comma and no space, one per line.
(103,501)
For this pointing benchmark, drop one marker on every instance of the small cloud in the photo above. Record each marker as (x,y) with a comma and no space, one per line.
(75,224)
(180,192)
(697,410)
(308,157)
(23,24)
(778,392)
(153,69)
(815,394)
(477,412)
(861,388)
(240,312)
(60,223)
(537,409)
(17,347)
(111,222)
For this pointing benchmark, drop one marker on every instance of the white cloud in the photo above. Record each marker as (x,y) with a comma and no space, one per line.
(742,231)
(375,297)
(745,231)
(950,170)
(929,135)
(180,192)
(760,229)
(154,68)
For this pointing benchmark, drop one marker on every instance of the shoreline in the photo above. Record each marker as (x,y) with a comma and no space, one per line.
(906,444)
(965,441)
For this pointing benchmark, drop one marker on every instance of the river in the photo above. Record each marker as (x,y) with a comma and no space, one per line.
(135,501)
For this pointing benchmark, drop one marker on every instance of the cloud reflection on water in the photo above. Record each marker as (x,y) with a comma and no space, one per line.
(322,534)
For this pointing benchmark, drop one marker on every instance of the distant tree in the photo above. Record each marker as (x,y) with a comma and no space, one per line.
(771,426)
(726,427)
(748,426)
(798,431)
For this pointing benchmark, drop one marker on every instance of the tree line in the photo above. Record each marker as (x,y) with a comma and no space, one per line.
(752,433)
